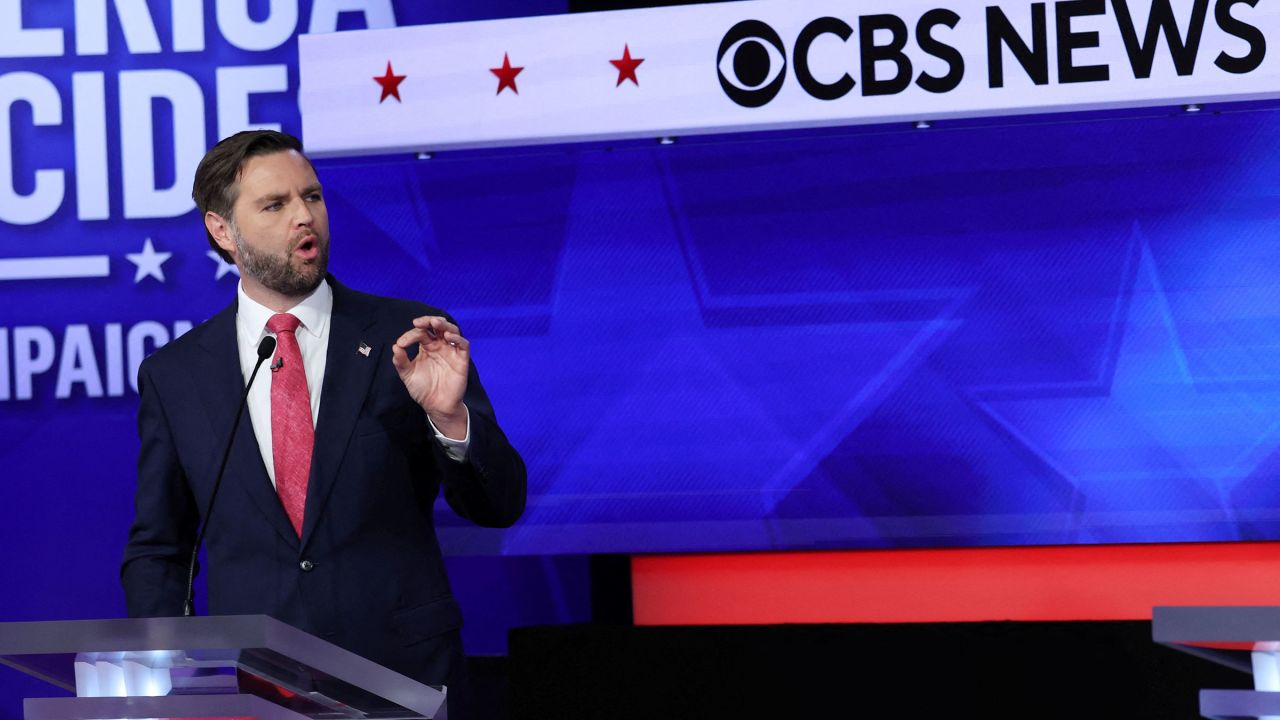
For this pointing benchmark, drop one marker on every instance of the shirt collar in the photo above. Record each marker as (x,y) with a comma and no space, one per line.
(314,311)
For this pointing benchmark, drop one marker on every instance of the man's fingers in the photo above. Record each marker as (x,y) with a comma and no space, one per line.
(400,358)
(413,337)
(436,325)
(425,337)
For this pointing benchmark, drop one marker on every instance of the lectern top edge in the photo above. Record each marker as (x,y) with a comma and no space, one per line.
(1195,624)
(254,644)
(79,636)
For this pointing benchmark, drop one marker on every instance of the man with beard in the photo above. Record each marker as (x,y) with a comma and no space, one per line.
(371,408)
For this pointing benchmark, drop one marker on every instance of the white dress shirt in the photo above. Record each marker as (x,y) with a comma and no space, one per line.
(313,343)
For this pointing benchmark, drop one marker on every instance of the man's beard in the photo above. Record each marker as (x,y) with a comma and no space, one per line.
(275,272)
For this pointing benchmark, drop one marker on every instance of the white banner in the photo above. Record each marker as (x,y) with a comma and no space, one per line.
(742,66)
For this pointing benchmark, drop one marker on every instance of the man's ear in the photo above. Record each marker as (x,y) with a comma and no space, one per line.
(220,230)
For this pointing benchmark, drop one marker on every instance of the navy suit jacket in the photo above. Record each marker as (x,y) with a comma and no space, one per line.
(367,573)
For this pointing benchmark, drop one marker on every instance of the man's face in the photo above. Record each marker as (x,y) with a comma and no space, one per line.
(279,232)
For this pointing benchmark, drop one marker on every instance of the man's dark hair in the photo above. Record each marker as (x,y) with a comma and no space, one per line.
(217,178)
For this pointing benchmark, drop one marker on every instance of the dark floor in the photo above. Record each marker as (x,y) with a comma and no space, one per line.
(991,670)
(490,686)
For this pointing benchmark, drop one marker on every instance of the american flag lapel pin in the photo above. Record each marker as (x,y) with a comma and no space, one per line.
(363,349)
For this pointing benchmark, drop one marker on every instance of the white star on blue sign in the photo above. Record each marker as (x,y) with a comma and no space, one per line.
(149,262)
(224,267)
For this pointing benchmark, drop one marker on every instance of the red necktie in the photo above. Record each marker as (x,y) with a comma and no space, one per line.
(292,434)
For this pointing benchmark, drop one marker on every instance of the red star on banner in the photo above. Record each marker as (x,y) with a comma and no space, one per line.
(390,84)
(627,66)
(506,75)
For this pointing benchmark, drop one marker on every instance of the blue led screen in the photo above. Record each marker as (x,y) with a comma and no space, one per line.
(1013,332)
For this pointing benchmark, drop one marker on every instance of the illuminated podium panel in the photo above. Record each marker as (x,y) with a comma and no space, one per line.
(1244,638)
(244,666)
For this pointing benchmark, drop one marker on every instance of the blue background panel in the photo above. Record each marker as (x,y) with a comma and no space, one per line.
(1042,332)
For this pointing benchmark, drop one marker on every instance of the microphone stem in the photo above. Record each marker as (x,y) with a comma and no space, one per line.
(189,605)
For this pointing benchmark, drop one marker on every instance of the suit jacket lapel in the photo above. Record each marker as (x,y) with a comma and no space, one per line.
(347,375)
(220,395)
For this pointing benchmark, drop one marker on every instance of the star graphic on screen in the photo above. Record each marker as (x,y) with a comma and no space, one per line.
(224,267)
(390,83)
(1151,420)
(627,66)
(506,75)
(149,262)
(635,365)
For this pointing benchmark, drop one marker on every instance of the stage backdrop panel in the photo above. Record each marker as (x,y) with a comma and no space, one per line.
(1016,333)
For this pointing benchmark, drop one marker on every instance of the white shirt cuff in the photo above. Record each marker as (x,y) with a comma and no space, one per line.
(455,449)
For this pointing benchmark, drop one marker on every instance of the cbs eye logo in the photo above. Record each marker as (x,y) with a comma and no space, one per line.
(752,63)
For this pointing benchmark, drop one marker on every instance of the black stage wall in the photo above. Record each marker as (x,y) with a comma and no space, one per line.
(927,670)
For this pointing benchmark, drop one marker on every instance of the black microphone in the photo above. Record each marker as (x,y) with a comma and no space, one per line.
(265,350)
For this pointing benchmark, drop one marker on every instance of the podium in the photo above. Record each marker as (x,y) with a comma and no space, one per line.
(240,666)
(1244,638)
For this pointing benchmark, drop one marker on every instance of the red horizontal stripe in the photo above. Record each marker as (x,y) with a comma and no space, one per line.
(1081,582)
